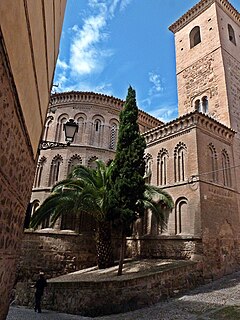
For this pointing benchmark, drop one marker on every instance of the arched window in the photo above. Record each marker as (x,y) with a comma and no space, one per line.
(162,167)
(38,175)
(48,123)
(113,136)
(227,180)
(81,121)
(195,36)
(92,162)
(60,136)
(97,131)
(182,218)
(197,105)
(213,163)
(205,104)
(46,222)
(231,34)
(55,169)
(201,104)
(97,125)
(179,162)
(73,162)
(148,167)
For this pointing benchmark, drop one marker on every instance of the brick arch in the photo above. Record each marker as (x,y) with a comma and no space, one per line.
(162,158)
(181,216)
(226,170)
(81,119)
(97,130)
(55,169)
(63,118)
(38,174)
(148,158)
(91,163)
(73,161)
(48,123)
(179,162)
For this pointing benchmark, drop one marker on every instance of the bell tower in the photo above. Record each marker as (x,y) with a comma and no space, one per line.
(207,41)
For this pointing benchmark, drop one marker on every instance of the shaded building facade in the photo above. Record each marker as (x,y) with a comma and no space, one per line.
(29,40)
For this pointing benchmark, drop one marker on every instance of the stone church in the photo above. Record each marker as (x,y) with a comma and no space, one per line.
(195,157)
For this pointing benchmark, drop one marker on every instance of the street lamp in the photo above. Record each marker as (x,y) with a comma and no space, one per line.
(70,128)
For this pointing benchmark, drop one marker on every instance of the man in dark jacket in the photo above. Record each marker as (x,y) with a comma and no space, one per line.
(40,285)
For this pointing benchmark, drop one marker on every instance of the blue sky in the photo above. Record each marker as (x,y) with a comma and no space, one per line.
(107,45)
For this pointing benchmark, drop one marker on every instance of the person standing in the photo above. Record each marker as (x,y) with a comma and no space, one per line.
(41,283)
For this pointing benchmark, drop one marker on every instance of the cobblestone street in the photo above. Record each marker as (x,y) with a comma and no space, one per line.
(219,300)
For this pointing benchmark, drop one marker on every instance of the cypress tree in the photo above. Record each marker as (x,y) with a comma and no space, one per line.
(127,182)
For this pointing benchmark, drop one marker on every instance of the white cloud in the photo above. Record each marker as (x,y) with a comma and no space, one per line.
(164,113)
(124,4)
(62,64)
(85,57)
(87,53)
(156,81)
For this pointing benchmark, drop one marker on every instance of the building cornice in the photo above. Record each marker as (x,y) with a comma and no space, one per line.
(186,122)
(64,98)
(201,7)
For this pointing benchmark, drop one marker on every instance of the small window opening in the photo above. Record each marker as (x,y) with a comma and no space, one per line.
(197,105)
(195,36)
(231,34)
(97,125)
(205,104)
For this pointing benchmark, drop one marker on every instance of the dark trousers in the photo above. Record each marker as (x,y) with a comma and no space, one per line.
(38,297)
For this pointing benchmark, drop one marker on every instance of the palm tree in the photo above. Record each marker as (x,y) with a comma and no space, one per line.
(158,201)
(85,190)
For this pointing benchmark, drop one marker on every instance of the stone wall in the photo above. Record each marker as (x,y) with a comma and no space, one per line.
(17,168)
(168,247)
(87,298)
(54,253)
(120,295)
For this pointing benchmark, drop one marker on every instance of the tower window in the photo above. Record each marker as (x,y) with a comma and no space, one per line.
(201,105)
(205,104)
(197,105)
(231,34)
(195,36)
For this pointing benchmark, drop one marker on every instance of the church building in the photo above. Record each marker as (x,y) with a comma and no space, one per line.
(195,157)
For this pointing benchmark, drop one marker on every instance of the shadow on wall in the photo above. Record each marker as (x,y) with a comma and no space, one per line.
(55,253)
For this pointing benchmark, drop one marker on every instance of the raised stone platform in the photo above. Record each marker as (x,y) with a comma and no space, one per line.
(93,292)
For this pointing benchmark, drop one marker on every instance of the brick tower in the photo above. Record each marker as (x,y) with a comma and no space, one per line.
(207,40)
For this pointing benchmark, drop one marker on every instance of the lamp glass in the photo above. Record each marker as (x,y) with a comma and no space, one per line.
(70,129)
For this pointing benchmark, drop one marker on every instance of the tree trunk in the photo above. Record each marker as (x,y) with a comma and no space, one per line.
(122,252)
(104,245)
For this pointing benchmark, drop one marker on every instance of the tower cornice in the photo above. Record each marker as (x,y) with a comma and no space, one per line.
(200,7)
